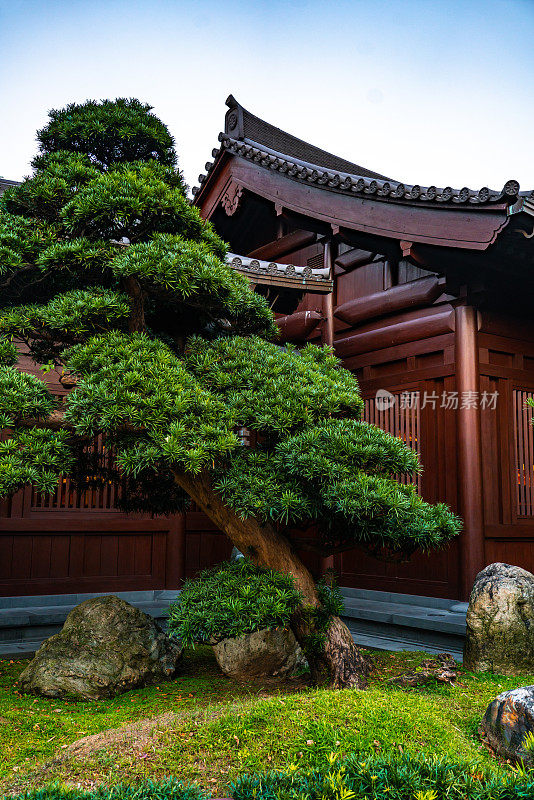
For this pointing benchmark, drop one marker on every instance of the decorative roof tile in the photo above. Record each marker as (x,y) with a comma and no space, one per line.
(259,271)
(307,164)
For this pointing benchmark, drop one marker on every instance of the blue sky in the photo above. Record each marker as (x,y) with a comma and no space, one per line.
(425,91)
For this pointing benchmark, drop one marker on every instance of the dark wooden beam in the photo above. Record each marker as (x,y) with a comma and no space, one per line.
(409,295)
(354,259)
(298,326)
(409,250)
(505,325)
(282,246)
(398,333)
(391,273)
(467,227)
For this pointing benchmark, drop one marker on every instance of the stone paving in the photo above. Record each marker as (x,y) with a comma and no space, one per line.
(381,620)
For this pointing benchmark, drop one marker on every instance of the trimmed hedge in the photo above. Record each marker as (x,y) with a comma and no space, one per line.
(358,777)
(232,599)
(364,777)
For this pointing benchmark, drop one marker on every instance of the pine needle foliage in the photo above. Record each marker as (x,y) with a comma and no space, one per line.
(109,132)
(169,789)
(110,276)
(8,353)
(361,776)
(22,396)
(194,284)
(73,314)
(55,183)
(274,390)
(34,456)
(230,600)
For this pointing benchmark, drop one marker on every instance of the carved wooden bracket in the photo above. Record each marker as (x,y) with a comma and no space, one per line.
(409,250)
(231,198)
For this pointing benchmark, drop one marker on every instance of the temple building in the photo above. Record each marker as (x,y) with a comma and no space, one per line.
(424,293)
(430,306)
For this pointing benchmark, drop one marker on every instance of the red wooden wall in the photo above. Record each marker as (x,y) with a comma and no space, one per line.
(58,551)
(71,543)
(506,357)
(423,364)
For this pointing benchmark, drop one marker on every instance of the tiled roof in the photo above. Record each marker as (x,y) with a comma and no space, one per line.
(357,184)
(279,151)
(241,124)
(270,272)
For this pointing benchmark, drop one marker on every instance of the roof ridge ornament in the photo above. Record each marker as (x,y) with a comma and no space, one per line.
(233,120)
(511,188)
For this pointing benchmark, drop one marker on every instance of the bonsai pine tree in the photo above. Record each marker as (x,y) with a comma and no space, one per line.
(109,275)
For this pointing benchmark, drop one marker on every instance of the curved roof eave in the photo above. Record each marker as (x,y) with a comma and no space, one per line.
(359,185)
(256,140)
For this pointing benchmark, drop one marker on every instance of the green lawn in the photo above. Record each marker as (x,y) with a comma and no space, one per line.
(206,728)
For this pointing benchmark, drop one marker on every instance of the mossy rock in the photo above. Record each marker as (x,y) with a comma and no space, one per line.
(267,653)
(508,721)
(500,621)
(105,648)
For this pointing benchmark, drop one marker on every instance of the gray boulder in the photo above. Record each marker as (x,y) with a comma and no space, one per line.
(508,719)
(106,647)
(268,653)
(500,621)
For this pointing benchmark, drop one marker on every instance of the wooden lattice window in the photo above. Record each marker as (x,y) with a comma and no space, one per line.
(524,451)
(401,418)
(102,496)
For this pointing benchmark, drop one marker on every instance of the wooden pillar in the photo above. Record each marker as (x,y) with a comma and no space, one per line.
(469,448)
(175,553)
(328,338)
(329,299)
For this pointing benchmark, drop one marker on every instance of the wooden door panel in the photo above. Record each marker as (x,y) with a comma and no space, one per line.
(50,562)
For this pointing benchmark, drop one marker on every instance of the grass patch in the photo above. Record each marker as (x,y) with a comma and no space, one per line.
(33,730)
(206,728)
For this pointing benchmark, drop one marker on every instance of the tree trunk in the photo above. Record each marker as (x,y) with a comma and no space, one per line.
(137,304)
(338,662)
